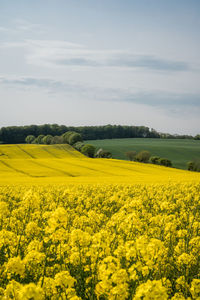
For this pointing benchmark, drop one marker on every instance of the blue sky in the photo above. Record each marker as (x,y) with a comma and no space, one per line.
(89,62)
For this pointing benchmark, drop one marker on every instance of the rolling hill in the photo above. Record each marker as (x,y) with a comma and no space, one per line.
(62,164)
(179,151)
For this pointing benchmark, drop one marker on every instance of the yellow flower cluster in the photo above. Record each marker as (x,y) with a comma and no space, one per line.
(113,242)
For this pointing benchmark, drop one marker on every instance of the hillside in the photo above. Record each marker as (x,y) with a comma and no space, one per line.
(179,151)
(63,164)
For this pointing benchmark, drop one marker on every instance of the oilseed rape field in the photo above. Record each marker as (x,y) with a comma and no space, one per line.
(73,227)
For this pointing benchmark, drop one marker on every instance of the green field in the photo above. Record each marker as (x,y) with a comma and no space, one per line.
(179,151)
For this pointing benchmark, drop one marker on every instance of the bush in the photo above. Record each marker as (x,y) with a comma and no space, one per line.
(39,139)
(194,165)
(143,156)
(88,150)
(66,136)
(197,137)
(190,165)
(47,139)
(74,138)
(154,159)
(57,140)
(103,154)
(29,139)
(78,146)
(131,155)
(165,162)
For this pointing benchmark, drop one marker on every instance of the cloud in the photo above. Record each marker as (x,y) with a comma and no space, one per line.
(58,53)
(3,29)
(47,84)
(164,99)
(155,98)
(148,62)
(22,26)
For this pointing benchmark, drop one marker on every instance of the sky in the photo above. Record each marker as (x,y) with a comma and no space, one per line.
(91,62)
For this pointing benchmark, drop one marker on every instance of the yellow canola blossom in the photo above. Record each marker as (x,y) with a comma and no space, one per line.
(62,164)
(105,241)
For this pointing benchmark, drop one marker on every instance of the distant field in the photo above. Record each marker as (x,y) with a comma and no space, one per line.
(178,151)
(62,164)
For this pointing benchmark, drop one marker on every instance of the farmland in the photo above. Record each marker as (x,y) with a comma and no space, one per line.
(179,151)
(78,228)
(62,164)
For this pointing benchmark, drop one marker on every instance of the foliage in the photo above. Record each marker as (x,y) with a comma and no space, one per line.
(165,162)
(154,159)
(17,134)
(143,156)
(29,139)
(107,241)
(194,165)
(78,145)
(57,140)
(190,165)
(131,155)
(74,138)
(69,137)
(47,139)
(88,150)
(197,137)
(103,154)
(39,139)
(66,136)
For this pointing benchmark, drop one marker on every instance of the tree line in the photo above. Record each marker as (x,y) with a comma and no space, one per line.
(18,134)
(70,137)
(145,157)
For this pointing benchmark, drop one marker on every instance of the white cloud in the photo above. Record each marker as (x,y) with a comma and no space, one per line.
(58,53)
(173,102)
(21,26)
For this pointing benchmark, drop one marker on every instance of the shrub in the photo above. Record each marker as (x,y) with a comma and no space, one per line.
(78,146)
(143,156)
(165,162)
(194,165)
(88,150)
(190,165)
(57,140)
(66,136)
(74,138)
(47,139)
(154,159)
(39,139)
(131,155)
(29,139)
(197,137)
(103,154)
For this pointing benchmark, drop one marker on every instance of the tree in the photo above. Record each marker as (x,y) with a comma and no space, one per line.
(29,139)
(66,136)
(131,155)
(47,139)
(78,146)
(154,159)
(194,165)
(103,154)
(165,162)
(197,137)
(74,138)
(143,156)
(88,150)
(39,139)
(57,140)
(190,165)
